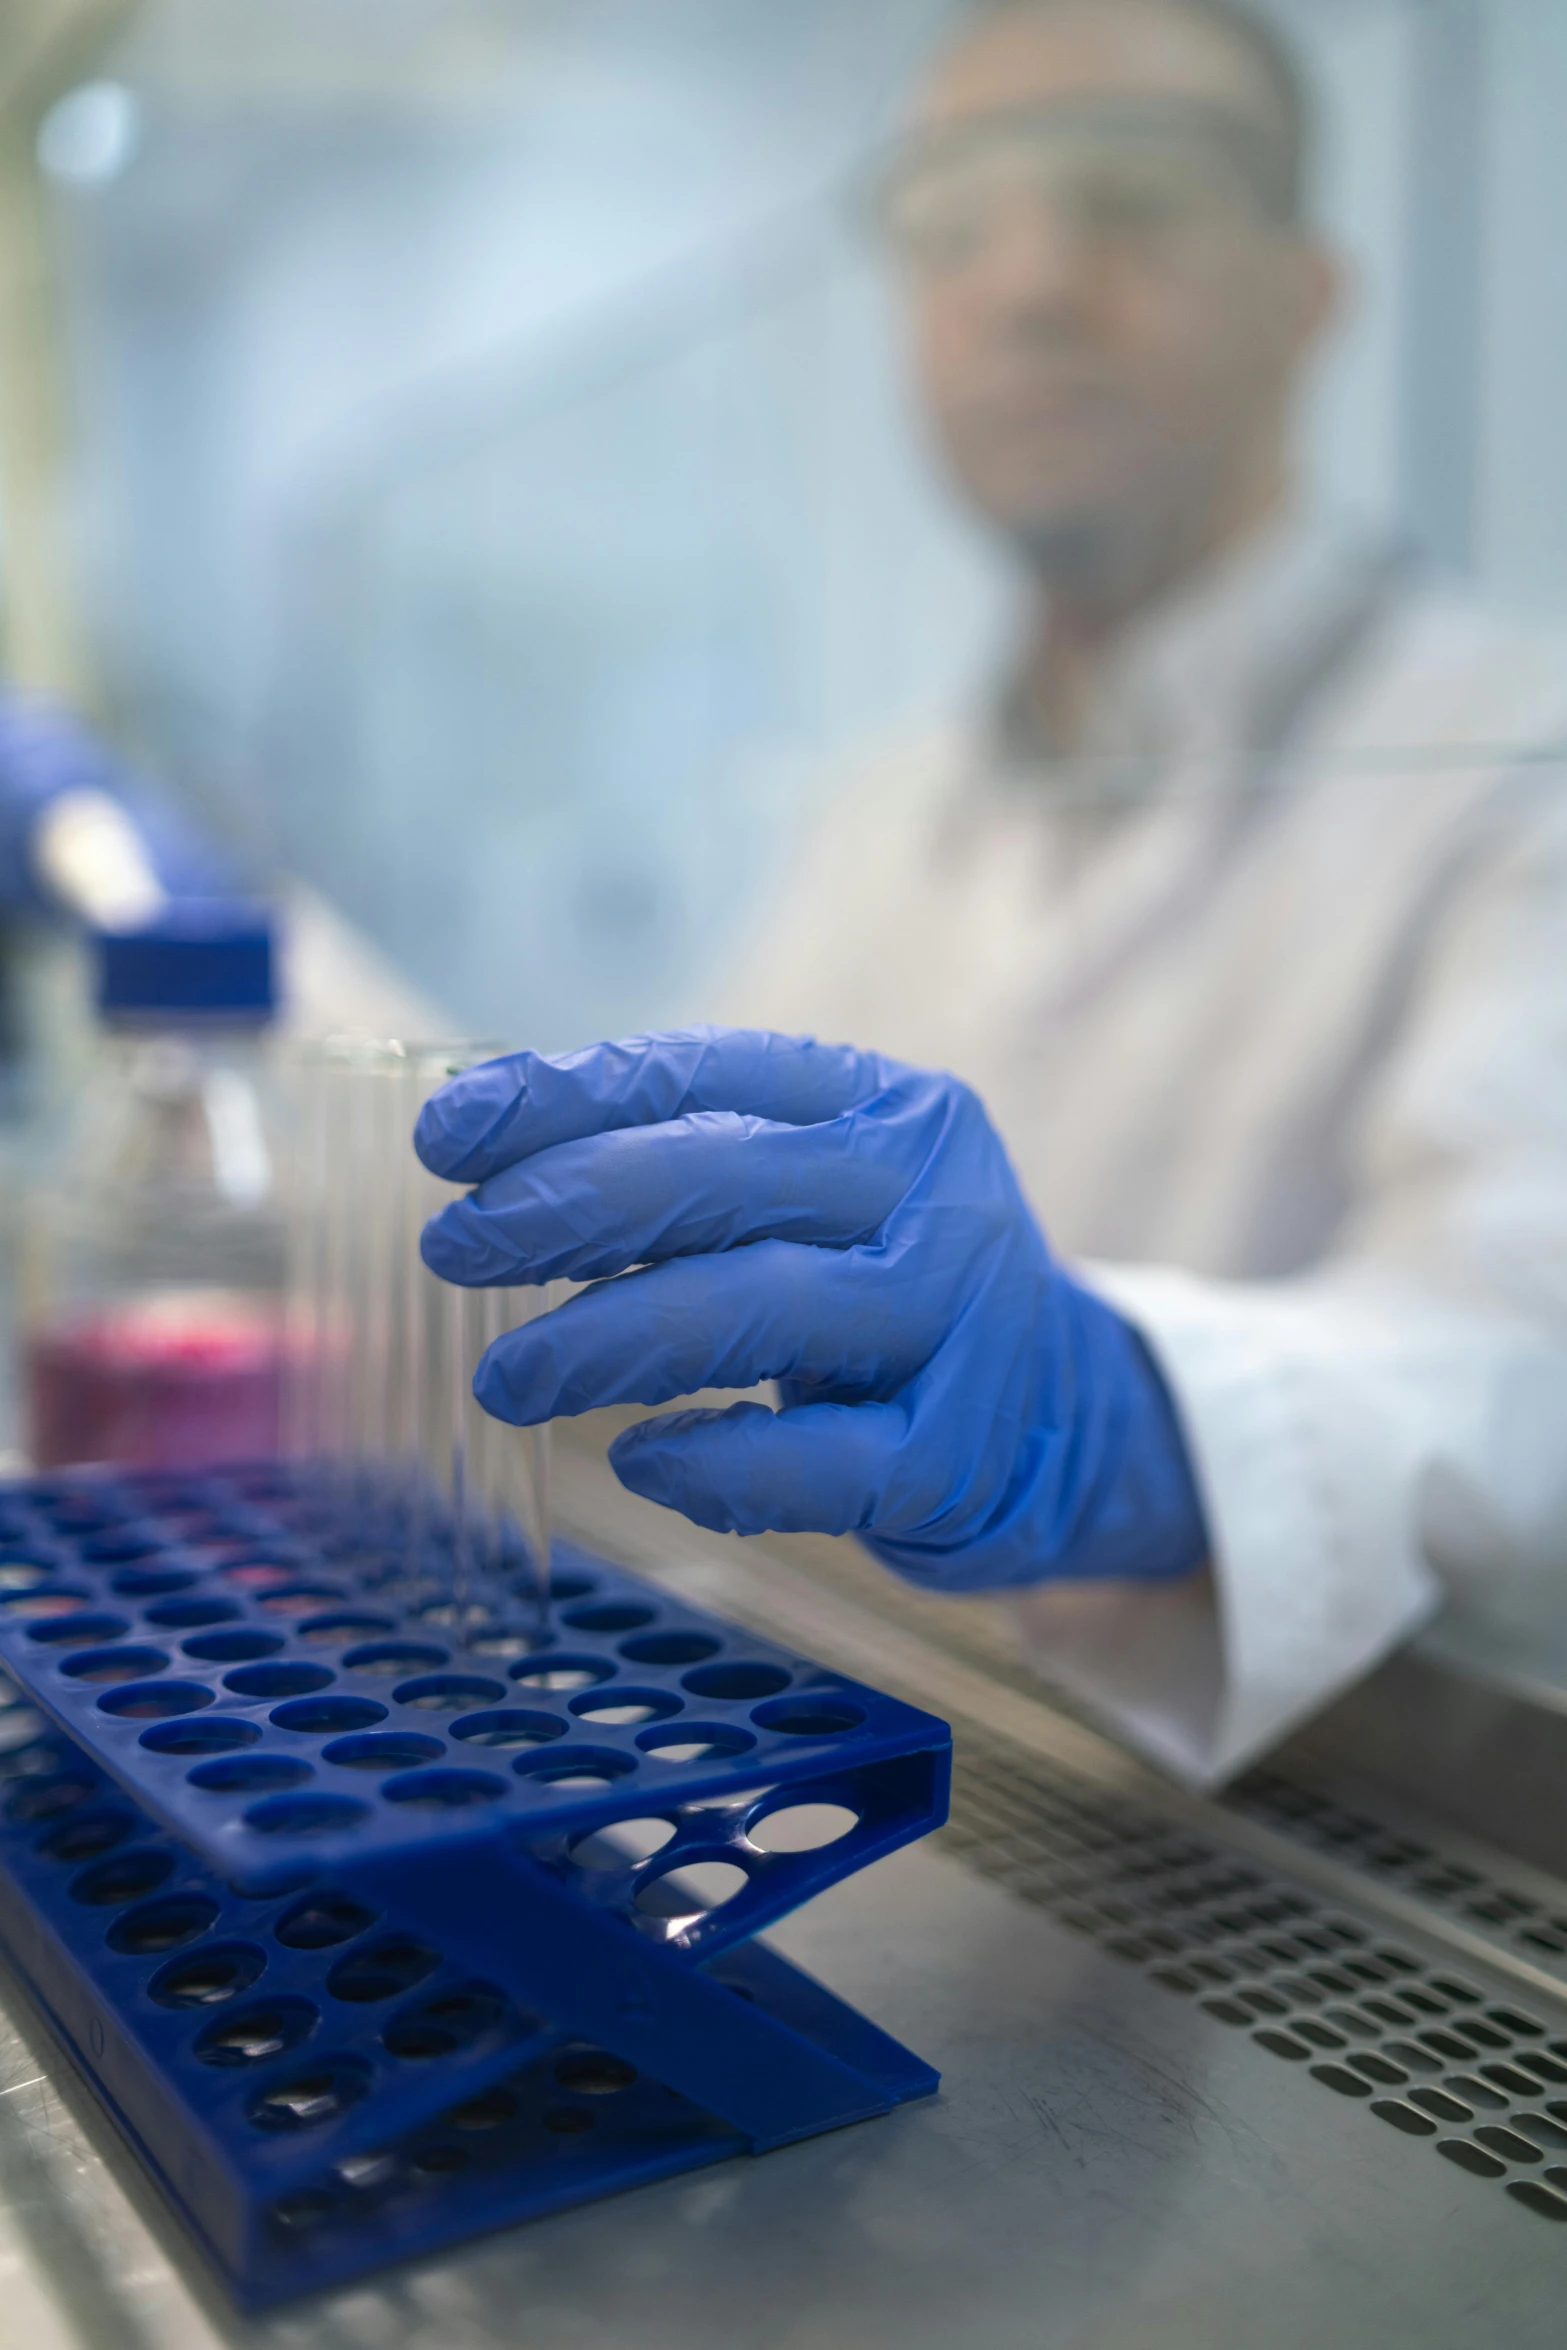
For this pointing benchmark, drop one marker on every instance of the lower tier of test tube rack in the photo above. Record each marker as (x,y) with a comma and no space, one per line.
(372,1930)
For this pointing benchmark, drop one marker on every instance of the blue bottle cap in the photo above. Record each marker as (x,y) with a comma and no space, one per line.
(200,959)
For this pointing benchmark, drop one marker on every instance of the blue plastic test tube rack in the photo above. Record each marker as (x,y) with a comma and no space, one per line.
(347,1923)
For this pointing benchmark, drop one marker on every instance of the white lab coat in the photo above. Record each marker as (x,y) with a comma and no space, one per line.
(1274,1020)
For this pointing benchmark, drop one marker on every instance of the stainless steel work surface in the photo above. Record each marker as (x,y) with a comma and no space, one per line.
(1106,2165)
(1138,2139)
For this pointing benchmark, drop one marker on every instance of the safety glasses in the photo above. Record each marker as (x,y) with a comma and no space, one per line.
(1137,179)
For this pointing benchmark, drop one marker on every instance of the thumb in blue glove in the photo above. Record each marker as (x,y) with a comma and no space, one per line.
(850,1227)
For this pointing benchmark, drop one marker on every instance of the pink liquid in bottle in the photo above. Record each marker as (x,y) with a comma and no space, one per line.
(168,1382)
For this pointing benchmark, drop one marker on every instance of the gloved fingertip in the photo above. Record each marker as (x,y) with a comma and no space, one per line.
(437,1142)
(655,1473)
(444,1248)
(663,1459)
(508,1387)
(455,1134)
(639,1461)
(460,1245)
(644,1445)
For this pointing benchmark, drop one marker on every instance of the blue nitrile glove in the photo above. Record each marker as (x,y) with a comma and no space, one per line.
(844,1224)
(44,754)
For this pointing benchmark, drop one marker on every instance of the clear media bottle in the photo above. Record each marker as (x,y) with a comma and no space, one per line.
(153,1261)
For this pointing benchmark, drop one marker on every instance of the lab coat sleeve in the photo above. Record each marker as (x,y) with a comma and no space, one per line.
(1387,1432)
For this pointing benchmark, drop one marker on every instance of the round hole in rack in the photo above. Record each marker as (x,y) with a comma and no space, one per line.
(557,1674)
(624,1709)
(396,1750)
(576,1770)
(284,1679)
(126,1877)
(384,1970)
(249,1774)
(448,1693)
(322,1717)
(736,1683)
(311,1814)
(343,1624)
(690,1890)
(209,1976)
(696,1742)
(115,1664)
(196,1737)
(437,2162)
(87,1833)
(79,1628)
(394,1585)
(510,1726)
(801,1827)
(568,2121)
(384,1659)
(492,2109)
(298,1599)
(593,2072)
(447,1790)
(81,1513)
(120,1547)
(189,1615)
(27,1607)
(623,1844)
(232,1648)
(364,2173)
(567,1584)
(809,1716)
(321,1921)
(252,2035)
(609,1616)
(444,2023)
(669,1648)
(158,1926)
(152,1582)
(507,1640)
(306,2209)
(307,2100)
(445,1613)
(155,1701)
(48,1797)
(192,1524)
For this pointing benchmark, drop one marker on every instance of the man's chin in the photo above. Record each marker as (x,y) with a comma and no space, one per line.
(1082,548)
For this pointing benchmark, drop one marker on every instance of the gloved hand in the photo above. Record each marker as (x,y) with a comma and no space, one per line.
(850,1227)
(48,760)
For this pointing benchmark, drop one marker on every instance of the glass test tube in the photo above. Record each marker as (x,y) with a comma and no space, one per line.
(382,1354)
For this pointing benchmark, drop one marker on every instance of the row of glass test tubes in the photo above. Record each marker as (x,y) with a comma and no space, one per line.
(380,1355)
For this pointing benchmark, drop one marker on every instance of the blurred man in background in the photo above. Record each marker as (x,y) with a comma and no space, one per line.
(1231,908)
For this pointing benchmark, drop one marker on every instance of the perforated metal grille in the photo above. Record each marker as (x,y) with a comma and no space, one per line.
(1519,1920)
(1422,2048)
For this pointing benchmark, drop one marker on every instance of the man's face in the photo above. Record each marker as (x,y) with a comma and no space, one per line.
(1108,314)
